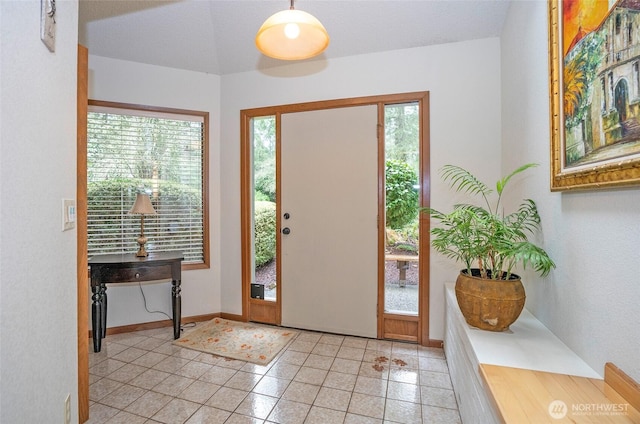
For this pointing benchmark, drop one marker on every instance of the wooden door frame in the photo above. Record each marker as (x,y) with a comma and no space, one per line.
(403,326)
(259,310)
(81,235)
(270,312)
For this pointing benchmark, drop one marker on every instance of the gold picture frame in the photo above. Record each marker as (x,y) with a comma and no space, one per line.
(594,61)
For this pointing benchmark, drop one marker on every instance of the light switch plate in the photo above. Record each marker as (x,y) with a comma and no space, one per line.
(68,214)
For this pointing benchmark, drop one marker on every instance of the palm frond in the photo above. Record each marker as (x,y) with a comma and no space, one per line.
(472,234)
(530,254)
(526,218)
(503,182)
(462,180)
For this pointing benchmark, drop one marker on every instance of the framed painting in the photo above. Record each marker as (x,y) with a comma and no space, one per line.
(594,58)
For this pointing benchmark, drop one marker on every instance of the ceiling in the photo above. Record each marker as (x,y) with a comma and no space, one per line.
(217,36)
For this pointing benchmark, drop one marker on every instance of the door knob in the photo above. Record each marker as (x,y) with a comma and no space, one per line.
(286,230)
(286,215)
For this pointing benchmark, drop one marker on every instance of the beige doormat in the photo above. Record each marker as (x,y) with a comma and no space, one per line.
(258,344)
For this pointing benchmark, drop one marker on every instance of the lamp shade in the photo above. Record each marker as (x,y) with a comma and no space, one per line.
(143,205)
(292,35)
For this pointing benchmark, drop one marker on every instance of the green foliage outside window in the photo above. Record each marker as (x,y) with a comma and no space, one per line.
(402,195)
(110,200)
(265,182)
(264,157)
(265,232)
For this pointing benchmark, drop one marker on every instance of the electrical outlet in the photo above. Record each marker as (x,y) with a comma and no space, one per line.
(67,409)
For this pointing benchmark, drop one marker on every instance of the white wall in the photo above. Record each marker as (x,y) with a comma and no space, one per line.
(591,300)
(464,82)
(38,361)
(130,82)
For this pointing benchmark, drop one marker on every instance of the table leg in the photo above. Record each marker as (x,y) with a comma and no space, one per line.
(176,303)
(103,310)
(96,318)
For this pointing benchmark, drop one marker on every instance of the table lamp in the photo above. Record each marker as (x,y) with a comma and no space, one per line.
(142,207)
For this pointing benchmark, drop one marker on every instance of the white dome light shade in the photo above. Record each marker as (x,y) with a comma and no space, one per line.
(277,36)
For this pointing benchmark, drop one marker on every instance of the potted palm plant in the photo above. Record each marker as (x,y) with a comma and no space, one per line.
(490,243)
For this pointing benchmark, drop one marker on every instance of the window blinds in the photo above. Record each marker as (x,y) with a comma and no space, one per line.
(131,151)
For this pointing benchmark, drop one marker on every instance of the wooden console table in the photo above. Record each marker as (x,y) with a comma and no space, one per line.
(125,268)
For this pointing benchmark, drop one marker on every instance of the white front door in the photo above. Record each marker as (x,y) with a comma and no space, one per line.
(329,191)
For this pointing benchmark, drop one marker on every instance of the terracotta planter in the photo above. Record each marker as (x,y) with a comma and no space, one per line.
(489,304)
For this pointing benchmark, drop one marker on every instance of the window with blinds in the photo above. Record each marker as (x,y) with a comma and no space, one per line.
(160,152)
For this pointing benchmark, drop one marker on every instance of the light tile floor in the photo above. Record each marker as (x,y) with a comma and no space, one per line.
(319,378)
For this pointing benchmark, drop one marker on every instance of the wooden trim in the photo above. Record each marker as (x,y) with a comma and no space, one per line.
(206,251)
(424,245)
(401,337)
(386,99)
(81,234)
(246,217)
(624,385)
(434,343)
(233,317)
(401,327)
(158,324)
(382,234)
(245,211)
(424,222)
(188,266)
(131,106)
(263,311)
(200,318)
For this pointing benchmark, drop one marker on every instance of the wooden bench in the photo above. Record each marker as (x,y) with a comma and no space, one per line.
(402,261)
(529,396)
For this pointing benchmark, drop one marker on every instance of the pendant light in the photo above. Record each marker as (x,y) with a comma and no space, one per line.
(292,35)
